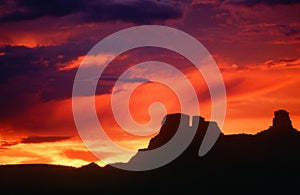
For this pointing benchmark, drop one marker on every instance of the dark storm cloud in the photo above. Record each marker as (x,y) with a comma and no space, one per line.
(289,31)
(136,11)
(32,75)
(32,140)
(127,80)
(94,10)
(29,75)
(266,2)
(21,60)
(41,139)
(32,9)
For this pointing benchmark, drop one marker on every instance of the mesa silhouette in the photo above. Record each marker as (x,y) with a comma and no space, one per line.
(266,161)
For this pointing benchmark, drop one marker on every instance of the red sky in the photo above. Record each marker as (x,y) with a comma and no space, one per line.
(256,45)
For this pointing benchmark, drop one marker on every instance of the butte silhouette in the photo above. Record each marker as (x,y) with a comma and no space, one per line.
(266,162)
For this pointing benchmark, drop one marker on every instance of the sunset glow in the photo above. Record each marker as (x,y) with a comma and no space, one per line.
(255,44)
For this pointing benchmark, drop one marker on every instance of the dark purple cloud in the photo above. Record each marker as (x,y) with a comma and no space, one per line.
(32,139)
(31,9)
(30,75)
(266,2)
(289,30)
(94,10)
(41,139)
(21,60)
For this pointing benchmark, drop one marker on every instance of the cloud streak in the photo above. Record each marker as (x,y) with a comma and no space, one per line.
(266,2)
(42,139)
(94,10)
(33,140)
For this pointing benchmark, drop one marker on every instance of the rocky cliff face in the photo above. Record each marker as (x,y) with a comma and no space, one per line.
(282,121)
(168,129)
(170,124)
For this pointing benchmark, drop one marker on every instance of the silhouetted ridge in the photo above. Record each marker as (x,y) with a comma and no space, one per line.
(170,125)
(266,161)
(92,165)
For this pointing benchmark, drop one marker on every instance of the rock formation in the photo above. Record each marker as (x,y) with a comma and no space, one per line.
(280,136)
(170,124)
(267,160)
(281,127)
(281,120)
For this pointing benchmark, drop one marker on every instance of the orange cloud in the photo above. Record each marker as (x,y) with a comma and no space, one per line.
(71,64)
(253,94)
(80,154)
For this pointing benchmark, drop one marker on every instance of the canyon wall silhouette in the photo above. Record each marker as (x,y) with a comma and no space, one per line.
(267,161)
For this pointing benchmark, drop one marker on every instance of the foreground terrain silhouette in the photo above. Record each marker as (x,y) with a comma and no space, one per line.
(268,161)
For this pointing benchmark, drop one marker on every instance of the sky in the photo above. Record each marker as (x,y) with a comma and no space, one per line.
(255,43)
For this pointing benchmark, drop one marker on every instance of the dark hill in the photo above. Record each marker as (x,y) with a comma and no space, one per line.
(266,162)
